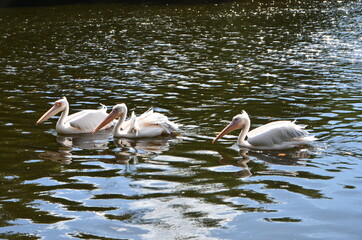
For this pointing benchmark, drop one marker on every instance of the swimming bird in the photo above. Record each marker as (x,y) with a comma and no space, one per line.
(276,135)
(149,124)
(81,122)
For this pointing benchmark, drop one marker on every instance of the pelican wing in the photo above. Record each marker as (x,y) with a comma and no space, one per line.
(133,124)
(148,114)
(87,120)
(130,123)
(169,127)
(276,133)
(151,119)
(80,114)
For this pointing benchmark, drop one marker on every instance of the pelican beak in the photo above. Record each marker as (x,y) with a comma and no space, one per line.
(50,113)
(111,116)
(233,125)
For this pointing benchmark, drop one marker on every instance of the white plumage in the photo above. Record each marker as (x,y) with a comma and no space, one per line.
(149,124)
(81,122)
(272,136)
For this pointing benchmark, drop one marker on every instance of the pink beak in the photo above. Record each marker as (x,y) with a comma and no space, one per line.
(229,128)
(50,113)
(111,116)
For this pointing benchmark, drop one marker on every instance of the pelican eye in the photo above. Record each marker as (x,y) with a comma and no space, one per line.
(116,110)
(236,119)
(58,104)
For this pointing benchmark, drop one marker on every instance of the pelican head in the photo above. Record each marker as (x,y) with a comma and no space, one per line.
(239,121)
(58,106)
(117,111)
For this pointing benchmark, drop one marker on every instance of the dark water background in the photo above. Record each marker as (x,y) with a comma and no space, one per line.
(200,65)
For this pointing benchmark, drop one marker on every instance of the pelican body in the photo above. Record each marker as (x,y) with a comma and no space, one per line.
(276,135)
(149,124)
(81,122)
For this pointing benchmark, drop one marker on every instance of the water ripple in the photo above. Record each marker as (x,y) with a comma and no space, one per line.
(200,65)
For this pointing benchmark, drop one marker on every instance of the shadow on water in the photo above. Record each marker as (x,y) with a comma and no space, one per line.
(287,157)
(123,151)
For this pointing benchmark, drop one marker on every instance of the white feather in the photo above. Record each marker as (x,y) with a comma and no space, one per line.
(86,120)
(275,133)
(148,124)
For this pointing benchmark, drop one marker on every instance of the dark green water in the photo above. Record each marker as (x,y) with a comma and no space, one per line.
(200,65)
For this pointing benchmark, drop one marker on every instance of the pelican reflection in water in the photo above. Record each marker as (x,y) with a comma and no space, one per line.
(74,142)
(99,141)
(288,157)
(127,151)
(276,135)
(155,145)
(132,149)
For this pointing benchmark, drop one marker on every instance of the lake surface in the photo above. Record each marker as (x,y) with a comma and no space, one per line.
(200,65)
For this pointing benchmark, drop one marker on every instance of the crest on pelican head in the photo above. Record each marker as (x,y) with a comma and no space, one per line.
(244,114)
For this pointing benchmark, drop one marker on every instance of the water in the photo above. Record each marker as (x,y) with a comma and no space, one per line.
(200,65)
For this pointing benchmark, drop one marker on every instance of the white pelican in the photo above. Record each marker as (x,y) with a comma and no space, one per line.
(149,124)
(277,135)
(81,122)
